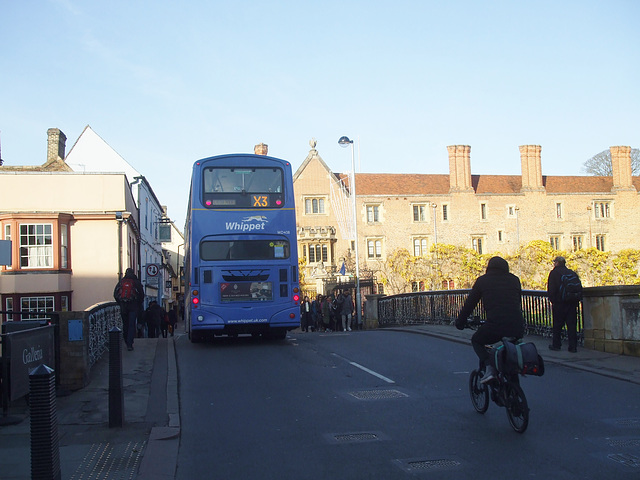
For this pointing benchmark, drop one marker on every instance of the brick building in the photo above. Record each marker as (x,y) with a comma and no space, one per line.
(488,213)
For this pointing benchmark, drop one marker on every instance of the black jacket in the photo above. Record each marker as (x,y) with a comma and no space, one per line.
(501,293)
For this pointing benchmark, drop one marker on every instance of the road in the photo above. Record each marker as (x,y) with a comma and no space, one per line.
(389,405)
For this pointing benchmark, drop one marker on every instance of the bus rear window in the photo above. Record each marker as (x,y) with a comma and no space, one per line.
(216,250)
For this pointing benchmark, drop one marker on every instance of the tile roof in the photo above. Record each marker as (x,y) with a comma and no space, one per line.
(400,184)
(420,184)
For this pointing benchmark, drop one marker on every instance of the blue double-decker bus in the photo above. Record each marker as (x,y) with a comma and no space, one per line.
(241,258)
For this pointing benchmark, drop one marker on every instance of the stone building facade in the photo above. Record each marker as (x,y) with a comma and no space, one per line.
(487,213)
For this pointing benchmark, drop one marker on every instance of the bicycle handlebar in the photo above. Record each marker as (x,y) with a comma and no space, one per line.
(473,323)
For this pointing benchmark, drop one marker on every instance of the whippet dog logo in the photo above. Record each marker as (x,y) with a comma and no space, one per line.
(255,218)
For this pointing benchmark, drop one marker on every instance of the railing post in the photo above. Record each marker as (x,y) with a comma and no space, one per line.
(45,449)
(116,394)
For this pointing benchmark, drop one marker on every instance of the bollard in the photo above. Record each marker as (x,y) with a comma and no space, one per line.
(45,448)
(116,394)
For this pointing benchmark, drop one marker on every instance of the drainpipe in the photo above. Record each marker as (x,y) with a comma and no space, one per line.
(119,219)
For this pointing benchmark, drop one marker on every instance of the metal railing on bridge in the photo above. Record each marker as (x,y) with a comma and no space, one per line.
(441,307)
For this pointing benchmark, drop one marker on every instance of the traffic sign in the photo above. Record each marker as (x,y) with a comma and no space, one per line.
(152,270)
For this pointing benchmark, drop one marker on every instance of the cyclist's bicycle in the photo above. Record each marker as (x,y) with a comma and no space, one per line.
(504,390)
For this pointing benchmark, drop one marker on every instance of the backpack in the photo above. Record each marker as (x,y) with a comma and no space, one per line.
(570,287)
(522,358)
(127,291)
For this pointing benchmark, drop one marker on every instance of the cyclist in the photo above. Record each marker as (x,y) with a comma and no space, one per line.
(500,292)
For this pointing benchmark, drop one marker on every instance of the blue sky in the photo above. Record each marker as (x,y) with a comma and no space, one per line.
(166,83)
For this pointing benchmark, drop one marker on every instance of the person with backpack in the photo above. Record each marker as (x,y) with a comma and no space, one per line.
(565,292)
(129,293)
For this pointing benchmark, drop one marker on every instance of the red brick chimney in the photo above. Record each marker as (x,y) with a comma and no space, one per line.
(460,168)
(621,168)
(261,149)
(531,167)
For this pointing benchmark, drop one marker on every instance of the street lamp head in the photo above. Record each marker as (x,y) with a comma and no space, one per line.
(344,141)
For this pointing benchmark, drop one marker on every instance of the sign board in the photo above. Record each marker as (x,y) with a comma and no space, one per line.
(5,252)
(164,232)
(75,330)
(152,270)
(28,349)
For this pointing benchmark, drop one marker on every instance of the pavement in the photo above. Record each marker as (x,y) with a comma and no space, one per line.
(146,445)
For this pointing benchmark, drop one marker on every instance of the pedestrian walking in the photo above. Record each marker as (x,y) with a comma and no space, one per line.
(129,293)
(173,319)
(164,323)
(153,316)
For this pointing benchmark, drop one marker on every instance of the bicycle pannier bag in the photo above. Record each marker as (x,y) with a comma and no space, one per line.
(529,361)
(522,358)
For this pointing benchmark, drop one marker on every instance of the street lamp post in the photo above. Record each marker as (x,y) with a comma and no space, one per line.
(590,234)
(435,240)
(344,142)
(517,227)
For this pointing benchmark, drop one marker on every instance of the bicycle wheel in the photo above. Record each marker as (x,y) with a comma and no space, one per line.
(517,408)
(479,392)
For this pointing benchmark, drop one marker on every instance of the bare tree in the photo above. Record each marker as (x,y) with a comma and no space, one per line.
(600,164)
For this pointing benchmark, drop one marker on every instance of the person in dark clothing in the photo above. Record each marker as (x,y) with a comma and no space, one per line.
(173,319)
(129,293)
(154,315)
(347,312)
(564,313)
(164,323)
(305,314)
(501,293)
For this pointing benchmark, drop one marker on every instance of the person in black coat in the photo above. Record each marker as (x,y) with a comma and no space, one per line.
(129,307)
(564,313)
(500,292)
(153,316)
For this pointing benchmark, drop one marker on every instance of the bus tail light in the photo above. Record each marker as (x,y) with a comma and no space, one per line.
(296,298)
(194,298)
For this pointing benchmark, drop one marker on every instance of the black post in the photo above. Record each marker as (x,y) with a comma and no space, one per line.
(116,394)
(45,449)
(4,386)
(55,321)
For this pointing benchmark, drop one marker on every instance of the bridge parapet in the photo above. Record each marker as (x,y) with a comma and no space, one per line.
(608,317)
(84,338)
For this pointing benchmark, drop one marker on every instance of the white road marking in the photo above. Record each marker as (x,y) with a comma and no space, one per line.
(365,369)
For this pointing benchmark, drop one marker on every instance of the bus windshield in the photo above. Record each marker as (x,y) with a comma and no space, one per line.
(242,180)
(217,250)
